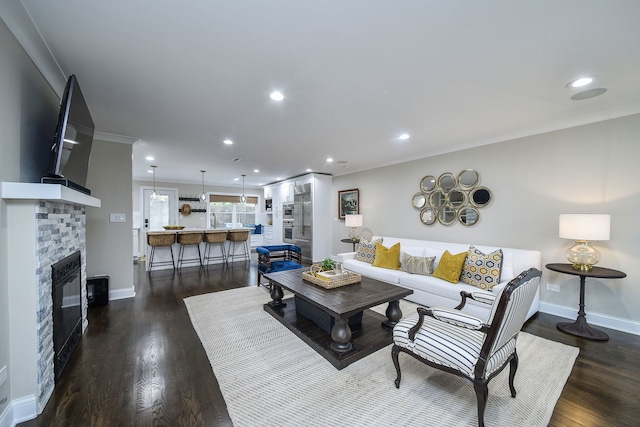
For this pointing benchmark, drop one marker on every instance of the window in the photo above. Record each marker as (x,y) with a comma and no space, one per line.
(228,211)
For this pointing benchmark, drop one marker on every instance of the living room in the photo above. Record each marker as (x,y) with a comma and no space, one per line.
(584,168)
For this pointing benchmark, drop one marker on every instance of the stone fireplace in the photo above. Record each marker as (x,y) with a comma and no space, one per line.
(45,225)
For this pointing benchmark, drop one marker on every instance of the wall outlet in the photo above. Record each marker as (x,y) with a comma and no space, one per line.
(116,217)
(3,375)
(553,288)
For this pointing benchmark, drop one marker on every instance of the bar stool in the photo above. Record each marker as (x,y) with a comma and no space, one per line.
(160,240)
(236,237)
(188,238)
(211,238)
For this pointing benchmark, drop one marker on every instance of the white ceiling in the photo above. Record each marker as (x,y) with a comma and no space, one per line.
(180,77)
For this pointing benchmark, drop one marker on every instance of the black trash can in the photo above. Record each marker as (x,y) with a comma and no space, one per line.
(98,291)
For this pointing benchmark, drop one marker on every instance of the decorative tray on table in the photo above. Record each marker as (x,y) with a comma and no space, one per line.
(330,279)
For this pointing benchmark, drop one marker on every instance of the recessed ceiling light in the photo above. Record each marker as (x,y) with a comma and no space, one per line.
(150,158)
(235,160)
(256,170)
(309,170)
(236,179)
(404,136)
(150,171)
(329,160)
(228,141)
(582,81)
(276,95)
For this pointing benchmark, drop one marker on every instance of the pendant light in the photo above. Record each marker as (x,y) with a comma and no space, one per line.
(203,196)
(154,193)
(243,199)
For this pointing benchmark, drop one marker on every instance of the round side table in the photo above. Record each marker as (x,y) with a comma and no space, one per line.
(353,242)
(580,327)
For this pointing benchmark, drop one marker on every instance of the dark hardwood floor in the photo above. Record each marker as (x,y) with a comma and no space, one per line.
(141,363)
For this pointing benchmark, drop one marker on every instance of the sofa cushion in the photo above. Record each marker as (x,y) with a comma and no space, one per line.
(482,270)
(387,257)
(450,266)
(368,270)
(417,264)
(366,251)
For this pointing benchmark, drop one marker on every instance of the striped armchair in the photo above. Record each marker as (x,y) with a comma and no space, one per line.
(464,345)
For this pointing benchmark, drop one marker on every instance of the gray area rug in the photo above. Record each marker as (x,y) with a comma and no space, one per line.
(269,377)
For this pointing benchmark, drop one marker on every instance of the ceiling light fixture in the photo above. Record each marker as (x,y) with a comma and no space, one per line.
(243,199)
(403,136)
(276,95)
(150,158)
(228,142)
(329,160)
(256,170)
(203,197)
(154,193)
(582,81)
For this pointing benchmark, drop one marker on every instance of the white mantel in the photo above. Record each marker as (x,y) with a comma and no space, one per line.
(51,192)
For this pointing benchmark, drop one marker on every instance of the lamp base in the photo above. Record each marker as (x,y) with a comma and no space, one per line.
(582,255)
(353,234)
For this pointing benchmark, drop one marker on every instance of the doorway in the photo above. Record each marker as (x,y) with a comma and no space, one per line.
(158,211)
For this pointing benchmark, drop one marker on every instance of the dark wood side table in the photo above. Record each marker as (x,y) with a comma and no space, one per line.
(353,242)
(580,327)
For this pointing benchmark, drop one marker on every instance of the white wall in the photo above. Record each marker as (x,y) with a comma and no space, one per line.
(586,169)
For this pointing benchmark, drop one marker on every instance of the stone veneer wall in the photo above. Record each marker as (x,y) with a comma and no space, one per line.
(61,231)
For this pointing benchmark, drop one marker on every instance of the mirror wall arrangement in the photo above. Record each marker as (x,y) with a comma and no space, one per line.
(451,198)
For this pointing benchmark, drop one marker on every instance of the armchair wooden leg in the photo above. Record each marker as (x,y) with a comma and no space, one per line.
(513,367)
(394,356)
(482,392)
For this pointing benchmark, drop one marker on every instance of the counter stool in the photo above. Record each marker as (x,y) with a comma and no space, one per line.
(236,237)
(160,240)
(211,238)
(188,238)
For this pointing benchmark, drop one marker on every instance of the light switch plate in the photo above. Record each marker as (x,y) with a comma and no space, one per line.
(116,217)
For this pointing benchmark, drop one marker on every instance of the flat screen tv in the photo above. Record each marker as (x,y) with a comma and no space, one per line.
(71,146)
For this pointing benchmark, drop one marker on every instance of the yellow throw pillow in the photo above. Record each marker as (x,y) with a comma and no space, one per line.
(450,267)
(387,257)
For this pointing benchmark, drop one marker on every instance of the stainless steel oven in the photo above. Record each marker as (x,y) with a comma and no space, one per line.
(287,211)
(287,230)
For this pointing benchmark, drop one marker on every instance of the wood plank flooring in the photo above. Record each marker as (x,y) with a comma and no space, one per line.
(140,363)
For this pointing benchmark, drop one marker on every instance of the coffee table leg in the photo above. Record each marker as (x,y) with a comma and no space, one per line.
(341,336)
(394,314)
(276,296)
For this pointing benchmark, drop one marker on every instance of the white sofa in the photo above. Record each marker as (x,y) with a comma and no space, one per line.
(431,291)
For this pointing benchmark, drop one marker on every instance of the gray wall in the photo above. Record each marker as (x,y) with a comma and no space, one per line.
(28,113)
(110,244)
(586,169)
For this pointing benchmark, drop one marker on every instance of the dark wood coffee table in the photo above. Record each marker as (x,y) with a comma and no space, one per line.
(345,344)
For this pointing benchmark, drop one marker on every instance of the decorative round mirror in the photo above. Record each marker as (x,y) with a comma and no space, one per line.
(480,197)
(456,198)
(428,216)
(468,178)
(447,215)
(428,183)
(468,216)
(418,200)
(447,181)
(437,200)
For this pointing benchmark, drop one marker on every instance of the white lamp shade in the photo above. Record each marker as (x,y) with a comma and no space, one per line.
(585,226)
(353,220)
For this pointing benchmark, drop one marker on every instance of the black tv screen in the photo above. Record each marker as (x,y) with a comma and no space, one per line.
(71,147)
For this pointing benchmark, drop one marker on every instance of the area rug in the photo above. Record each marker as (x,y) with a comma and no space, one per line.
(269,377)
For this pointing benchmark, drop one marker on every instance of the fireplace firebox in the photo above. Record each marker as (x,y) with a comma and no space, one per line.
(67,309)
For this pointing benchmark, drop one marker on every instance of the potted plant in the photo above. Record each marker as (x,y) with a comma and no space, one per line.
(328,264)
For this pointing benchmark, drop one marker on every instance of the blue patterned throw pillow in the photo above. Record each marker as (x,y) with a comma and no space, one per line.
(482,270)
(366,251)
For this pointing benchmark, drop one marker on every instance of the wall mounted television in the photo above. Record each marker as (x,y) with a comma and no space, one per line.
(71,146)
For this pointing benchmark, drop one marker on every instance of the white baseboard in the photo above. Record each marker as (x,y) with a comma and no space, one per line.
(122,293)
(18,411)
(622,325)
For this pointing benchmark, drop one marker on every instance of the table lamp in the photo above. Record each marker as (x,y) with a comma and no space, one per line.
(583,228)
(353,221)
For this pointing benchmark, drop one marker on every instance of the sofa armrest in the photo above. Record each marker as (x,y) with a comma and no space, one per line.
(342,257)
